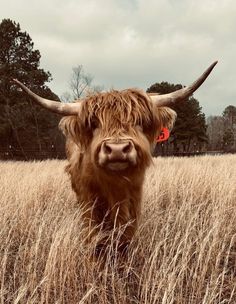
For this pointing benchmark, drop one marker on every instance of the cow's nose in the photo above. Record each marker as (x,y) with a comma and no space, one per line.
(117,151)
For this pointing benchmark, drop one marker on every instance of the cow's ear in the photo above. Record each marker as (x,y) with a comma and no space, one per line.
(166,117)
(75,129)
(68,125)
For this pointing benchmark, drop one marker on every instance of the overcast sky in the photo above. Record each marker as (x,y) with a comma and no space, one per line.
(135,43)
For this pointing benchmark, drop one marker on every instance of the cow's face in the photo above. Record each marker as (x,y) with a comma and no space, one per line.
(117,129)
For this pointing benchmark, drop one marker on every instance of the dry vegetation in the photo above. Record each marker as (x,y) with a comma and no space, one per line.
(184,250)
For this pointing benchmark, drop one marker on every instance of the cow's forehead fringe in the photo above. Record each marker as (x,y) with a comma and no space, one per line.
(127,106)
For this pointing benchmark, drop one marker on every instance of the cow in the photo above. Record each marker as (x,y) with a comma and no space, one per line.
(109,136)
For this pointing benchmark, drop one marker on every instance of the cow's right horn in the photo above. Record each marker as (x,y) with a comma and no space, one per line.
(54,106)
(182,94)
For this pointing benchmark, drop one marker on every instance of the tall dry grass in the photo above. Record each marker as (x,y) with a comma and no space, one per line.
(184,250)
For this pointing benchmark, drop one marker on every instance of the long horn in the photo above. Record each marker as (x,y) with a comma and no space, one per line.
(184,93)
(54,106)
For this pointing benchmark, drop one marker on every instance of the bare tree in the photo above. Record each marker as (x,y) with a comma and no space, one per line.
(79,81)
(66,97)
(94,89)
(221,130)
(215,132)
(80,85)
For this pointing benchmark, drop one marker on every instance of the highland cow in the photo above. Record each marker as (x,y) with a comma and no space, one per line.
(108,144)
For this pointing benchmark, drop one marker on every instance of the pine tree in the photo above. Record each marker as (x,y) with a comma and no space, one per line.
(23,125)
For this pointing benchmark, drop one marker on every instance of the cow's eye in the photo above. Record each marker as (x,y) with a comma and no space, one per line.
(94,124)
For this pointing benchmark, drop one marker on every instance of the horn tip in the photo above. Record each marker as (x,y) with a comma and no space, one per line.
(215,62)
(211,67)
(15,80)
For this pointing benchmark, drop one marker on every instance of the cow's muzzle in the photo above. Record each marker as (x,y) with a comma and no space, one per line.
(117,155)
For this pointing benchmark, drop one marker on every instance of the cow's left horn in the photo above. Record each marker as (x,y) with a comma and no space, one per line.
(54,106)
(184,93)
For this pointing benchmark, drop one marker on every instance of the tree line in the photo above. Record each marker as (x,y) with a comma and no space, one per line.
(27,130)
(221,130)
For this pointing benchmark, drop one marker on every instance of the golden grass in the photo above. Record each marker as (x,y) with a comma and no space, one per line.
(183,252)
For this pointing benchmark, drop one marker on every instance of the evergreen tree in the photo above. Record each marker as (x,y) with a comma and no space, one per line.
(189,133)
(229,139)
(23,125)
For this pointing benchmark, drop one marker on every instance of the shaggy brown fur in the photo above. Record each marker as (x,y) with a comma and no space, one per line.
(112,198)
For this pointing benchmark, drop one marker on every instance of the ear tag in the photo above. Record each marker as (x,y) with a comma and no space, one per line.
(164,135)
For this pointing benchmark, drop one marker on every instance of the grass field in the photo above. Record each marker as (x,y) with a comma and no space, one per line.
(184,250)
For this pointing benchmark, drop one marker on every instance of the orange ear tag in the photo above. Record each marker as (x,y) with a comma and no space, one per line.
(164,135)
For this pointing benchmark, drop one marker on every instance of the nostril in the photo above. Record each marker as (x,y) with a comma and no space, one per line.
(107,149)
(127,148)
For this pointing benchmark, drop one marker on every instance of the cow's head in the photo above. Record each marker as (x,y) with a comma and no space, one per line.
(117,128)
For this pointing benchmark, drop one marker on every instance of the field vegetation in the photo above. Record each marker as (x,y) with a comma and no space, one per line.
(184,250)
